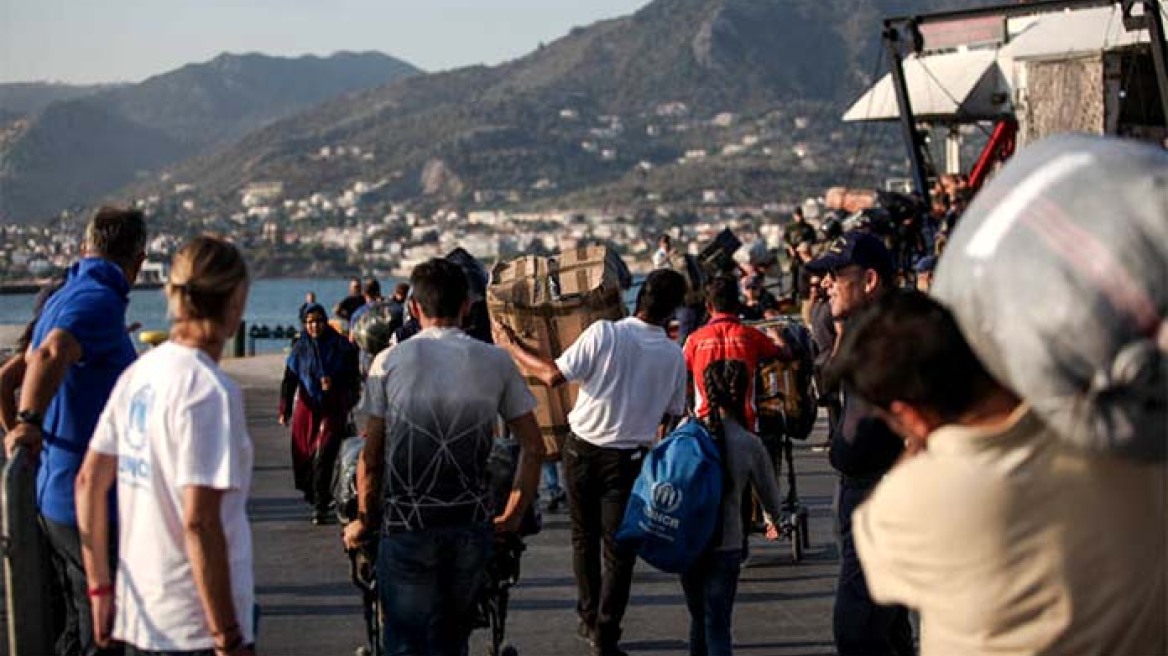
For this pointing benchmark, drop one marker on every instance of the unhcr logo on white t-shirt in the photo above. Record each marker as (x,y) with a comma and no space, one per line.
(140,407)
(133,464)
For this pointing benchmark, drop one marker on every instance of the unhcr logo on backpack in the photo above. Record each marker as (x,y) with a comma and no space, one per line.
(666,497)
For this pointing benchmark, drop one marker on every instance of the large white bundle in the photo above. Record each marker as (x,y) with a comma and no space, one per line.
(1058,276)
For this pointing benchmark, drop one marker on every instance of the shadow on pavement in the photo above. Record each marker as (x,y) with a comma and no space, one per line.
(330,589)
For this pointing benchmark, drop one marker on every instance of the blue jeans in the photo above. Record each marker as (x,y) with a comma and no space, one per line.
(430,581)
(710,586)
(550,479)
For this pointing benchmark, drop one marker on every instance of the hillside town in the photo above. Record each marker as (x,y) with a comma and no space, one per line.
(390,241)
(359,229)
(366,226)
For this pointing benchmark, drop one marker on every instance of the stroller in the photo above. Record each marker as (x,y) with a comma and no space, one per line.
(364,575)
(363,559)
(502,573)
(793,520)
(786,402)
(502,567)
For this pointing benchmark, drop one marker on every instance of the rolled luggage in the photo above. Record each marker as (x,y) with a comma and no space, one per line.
(1056,275)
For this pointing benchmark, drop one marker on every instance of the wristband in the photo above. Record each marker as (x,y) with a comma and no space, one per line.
(30,417)
(231,628)
(101,591)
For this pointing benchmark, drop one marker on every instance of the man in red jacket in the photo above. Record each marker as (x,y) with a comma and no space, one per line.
(724,337)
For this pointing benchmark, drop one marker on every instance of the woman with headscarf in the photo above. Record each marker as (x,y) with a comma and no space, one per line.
(321,384)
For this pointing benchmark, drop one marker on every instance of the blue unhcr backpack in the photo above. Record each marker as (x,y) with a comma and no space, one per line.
(674,508)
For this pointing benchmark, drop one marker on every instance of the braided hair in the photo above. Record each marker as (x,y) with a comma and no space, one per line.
(725,388)
(725,383)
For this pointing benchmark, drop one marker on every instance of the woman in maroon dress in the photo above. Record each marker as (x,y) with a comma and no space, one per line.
(321,385)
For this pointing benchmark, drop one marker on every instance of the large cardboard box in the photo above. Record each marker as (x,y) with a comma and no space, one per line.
(549,302)
(590,270)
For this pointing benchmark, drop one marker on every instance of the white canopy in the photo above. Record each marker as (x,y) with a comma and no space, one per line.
(1063,34)
(957,86)
(972,85)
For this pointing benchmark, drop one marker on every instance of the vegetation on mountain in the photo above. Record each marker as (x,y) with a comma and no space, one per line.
(24,98)
(55,160)
(606,111)
(208,103)
(73,152)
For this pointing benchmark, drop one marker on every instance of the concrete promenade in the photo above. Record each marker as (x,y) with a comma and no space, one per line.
(308,606)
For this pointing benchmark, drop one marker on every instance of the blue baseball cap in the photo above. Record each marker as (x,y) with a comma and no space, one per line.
(854,248)
(926,264)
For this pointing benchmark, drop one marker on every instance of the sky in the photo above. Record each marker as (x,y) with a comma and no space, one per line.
(87,41)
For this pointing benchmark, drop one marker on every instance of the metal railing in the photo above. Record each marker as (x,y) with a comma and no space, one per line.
(262,331)
(776,322)
(26,563)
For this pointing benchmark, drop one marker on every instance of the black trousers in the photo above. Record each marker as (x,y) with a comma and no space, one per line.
(861,626)
(599,481)
(324,465)
(65,547)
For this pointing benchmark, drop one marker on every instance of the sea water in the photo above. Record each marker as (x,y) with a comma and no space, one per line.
(271,303)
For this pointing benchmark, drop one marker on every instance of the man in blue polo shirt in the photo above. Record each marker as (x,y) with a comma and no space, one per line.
(78,350)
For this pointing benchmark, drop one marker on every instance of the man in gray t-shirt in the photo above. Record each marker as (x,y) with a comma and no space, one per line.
(432,403)
(439,394)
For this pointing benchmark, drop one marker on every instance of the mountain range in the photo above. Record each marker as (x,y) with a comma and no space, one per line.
(20,98)
(502,127)
(606,110)
(62,145)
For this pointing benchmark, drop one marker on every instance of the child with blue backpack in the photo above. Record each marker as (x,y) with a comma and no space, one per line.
(711,583)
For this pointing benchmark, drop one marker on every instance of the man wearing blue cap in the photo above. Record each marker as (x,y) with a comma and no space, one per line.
(858,270)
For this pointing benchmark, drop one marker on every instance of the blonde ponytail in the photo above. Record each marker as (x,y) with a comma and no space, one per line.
(203,277)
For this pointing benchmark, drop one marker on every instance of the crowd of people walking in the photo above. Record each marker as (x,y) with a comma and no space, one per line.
(956,497)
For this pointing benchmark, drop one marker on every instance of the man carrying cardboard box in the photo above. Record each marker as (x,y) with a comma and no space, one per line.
(632,384)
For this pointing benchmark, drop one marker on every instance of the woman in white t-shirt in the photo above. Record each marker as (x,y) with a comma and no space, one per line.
(174,439)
